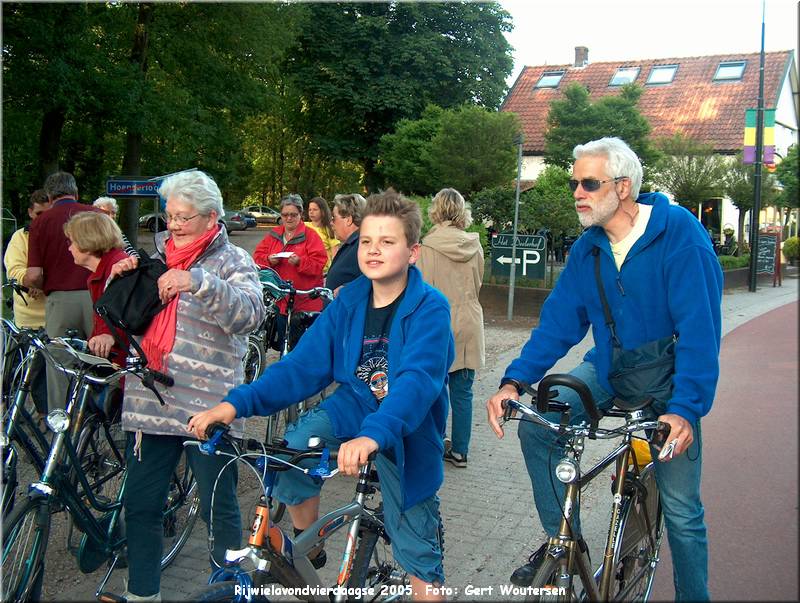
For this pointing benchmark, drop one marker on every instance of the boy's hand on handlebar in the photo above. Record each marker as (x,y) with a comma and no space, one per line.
(354,453)
(494,407)
(679,429)
(223,412)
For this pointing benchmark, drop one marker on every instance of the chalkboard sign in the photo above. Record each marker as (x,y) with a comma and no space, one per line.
(767,247)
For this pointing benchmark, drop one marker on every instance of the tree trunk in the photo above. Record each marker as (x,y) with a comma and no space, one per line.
(372,180)
(50,141)
(740,242)
(132,159)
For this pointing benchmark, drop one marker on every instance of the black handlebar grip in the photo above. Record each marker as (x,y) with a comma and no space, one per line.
(543,393)
(507,410)
(162,378)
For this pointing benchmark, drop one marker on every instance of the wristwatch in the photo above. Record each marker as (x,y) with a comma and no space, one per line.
(509,381)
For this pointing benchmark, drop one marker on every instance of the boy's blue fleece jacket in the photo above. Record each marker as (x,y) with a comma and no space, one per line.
(670,283)
(410,420)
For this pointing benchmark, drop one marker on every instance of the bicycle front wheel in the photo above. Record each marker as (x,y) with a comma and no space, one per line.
(25,535)
(639,536)
(225,591)
(374,572)
(548,586)
(180,511)
(254,359)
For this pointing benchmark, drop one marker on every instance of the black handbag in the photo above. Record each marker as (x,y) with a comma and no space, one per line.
(641,376)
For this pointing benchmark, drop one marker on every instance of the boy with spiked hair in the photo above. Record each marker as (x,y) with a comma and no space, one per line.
(381,340)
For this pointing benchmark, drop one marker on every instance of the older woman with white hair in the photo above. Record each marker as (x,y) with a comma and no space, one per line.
(213,300)
(451,260)
(108,205)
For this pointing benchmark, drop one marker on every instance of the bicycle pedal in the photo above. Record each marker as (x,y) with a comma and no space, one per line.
(319,561)
(108,597)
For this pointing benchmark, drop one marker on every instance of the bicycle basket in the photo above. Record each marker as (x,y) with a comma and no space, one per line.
(268,275)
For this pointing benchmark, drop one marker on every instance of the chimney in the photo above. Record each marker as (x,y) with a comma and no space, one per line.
(581,56)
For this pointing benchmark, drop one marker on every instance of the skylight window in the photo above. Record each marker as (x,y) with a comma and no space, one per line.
(549,79)
(730,70)
(662,74)
(624,75)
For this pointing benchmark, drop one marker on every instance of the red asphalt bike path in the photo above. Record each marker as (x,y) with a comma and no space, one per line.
(750,466)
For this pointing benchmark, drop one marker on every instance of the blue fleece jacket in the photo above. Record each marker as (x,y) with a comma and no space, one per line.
(670,283)
(410,420)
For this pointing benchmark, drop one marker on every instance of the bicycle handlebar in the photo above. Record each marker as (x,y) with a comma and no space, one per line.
(510,406)
(286,288)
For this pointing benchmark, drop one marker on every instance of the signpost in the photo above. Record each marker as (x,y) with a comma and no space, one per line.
(531,253)
(133,188)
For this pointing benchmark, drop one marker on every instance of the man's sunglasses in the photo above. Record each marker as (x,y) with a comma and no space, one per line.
(590,185)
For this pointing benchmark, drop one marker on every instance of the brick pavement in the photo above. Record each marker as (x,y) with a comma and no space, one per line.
(487,508)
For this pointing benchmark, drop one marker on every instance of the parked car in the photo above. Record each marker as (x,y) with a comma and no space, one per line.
(263,213)
(148,221)
(249,219)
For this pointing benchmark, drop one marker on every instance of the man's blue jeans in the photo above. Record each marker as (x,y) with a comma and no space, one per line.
(678,483)
(460,385)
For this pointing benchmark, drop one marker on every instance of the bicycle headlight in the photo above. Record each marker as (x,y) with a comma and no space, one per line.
(566,471)
(58,420)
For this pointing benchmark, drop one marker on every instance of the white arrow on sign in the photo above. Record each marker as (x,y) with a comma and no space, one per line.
(504,260)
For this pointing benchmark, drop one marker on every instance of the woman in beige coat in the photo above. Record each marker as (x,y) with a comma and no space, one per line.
(452,261)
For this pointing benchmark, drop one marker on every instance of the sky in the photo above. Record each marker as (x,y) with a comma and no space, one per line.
(546,32)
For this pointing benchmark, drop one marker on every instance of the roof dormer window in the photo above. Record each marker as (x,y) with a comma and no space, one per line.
(550,79)
(730,70)
(662,74)
(624,75)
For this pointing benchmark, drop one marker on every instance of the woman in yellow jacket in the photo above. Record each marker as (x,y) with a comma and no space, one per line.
(320,219)
(452,261)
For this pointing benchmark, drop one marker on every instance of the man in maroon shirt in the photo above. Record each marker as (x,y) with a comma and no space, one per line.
(52,269)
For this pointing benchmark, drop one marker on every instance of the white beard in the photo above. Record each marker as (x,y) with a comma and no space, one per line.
(602,212)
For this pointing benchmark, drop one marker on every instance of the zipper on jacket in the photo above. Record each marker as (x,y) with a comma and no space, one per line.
(619,286)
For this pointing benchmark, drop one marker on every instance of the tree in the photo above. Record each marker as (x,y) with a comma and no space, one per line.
(363,67)
(740,187)
(468,148)
(689,170)
(786,173)
(549,204)
(575,120)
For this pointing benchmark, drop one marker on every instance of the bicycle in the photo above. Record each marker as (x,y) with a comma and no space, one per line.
(366,571)
(88,480)
(637,520)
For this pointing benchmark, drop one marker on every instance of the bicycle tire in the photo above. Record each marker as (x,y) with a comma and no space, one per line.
(180,511)
(254,359)
(372,567)
(544,582)
(277,511)
(25,536)
(224,591)
(636,553)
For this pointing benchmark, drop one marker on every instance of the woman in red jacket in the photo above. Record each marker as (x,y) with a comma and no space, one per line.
(295,252)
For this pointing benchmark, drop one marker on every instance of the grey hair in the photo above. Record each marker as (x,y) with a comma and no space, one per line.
(59,184)
(293,199)
(351,206)
(110,201)
(621,160)
(449,205)
(196,188)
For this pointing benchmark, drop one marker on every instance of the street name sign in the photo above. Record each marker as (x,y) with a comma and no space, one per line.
(530,258)
(132,188)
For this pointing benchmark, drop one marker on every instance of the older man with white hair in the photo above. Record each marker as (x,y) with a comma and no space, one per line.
(662,282)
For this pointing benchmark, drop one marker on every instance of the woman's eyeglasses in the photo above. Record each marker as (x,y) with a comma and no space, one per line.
(590,185)
(180,220)
(291,215)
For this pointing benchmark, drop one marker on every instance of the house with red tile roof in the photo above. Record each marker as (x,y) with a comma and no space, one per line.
(703,97)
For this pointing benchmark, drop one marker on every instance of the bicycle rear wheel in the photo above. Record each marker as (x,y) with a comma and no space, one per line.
(25,535)
(180,511)
(639,536)
(254,359)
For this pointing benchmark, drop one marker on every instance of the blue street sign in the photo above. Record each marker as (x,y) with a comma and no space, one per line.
(133,188)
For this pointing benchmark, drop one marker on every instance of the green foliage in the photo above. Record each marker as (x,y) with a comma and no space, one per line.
(362,67)
(689,170)
(740,187)
(786,173)
(574,120)
(468,148)
(549,204)
(495,205)
(791,248)
(731,262)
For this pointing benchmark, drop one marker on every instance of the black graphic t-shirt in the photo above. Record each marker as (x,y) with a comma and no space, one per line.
(373,368)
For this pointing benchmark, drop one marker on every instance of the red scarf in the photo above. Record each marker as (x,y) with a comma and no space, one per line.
(159,339)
